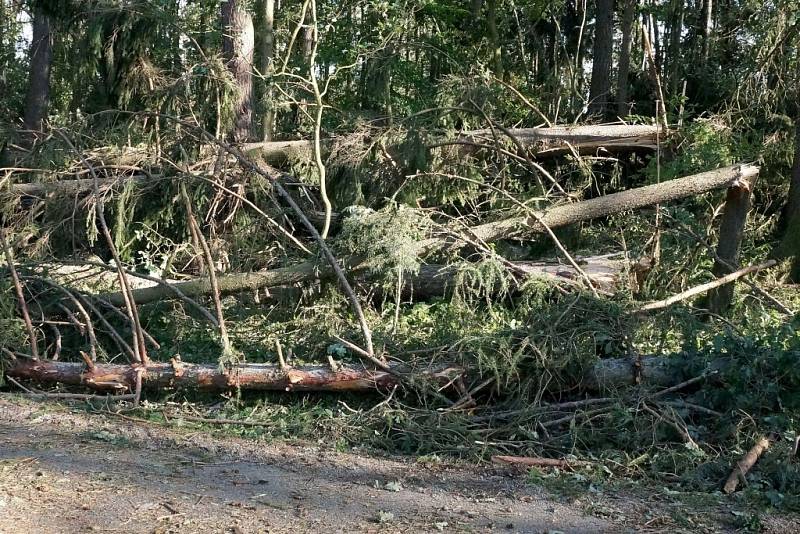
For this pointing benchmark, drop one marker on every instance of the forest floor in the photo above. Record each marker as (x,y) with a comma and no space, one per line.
(65,470)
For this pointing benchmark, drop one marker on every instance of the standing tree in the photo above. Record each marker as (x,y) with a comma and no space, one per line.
(628,17)
(494,38)
(791,240)
(265,66)
(600,88)
(708,26)
(37,98)
(238,40)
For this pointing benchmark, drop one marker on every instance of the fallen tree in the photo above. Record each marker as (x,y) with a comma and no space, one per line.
(604,374)
(437,280)
(537,141)
(555,217)
(432,280)
(540,142)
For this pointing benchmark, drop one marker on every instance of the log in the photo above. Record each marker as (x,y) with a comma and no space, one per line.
(744,465)
(555,217)
(608,373)
(431,281)
(73,187)
(209,377)
(632,199)
(437,280)
(541,142)
(557,140)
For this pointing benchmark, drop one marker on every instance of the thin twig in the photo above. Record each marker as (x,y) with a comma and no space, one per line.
(20,295)
(227,350)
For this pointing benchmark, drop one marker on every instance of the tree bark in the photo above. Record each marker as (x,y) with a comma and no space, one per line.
(790,245)
(237,48)
(731,230)
(675,55)
(600,88)
(265,67)
(37,98)
(210,377)
(438,280)
(431,281)
(605,374)
(628,17)
(542,142)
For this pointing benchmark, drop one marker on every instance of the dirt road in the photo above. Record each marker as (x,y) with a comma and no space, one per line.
(72,472)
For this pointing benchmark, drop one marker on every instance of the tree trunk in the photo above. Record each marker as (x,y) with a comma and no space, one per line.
(790,246)
(558,216)
(237,48)
(541,142)
(607,374)
(600,89)
(494,38)
(210,377)
(708,26)
(431,281)
(38,95)
(734,217)
(265,67)
(675,55)
(628,17)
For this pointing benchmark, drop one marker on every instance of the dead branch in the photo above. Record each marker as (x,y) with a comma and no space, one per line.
(702,288)
(744,465)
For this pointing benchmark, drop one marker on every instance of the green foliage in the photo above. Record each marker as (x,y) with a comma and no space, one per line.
(12,326)
(389,240)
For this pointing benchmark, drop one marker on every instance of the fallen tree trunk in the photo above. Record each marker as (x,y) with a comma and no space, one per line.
(72,187)
(538,141)
(604,374)
(437,280)
(557,140)
(209,377)
(431,281)
(632,199)
(555,217)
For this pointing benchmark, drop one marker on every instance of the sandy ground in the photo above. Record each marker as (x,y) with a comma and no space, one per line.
(72,472)
(65,471)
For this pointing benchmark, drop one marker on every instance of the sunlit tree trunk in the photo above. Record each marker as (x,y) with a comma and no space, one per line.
(265,67)
(708,25)
(38,95)
(600,88)
(237,47)
(628,16)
